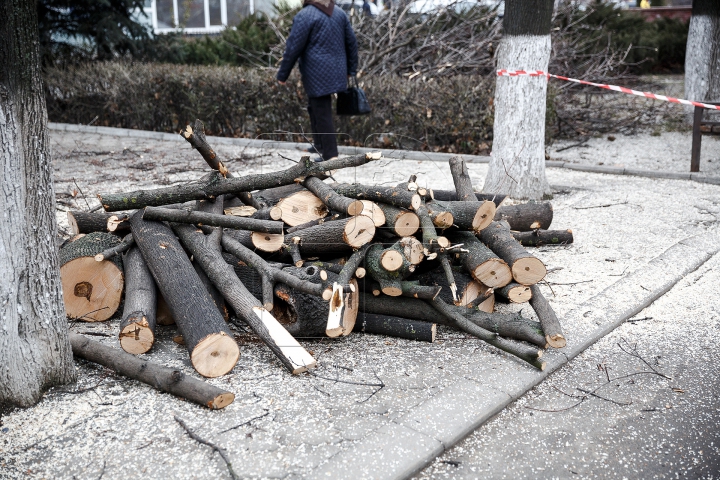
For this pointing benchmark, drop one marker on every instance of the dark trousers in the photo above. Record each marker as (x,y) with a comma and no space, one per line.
(320,110)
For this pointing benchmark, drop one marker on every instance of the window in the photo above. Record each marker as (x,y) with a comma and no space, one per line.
(198,16)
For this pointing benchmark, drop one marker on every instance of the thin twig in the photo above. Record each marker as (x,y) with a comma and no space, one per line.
(601,206)
(267,412)
(220,450)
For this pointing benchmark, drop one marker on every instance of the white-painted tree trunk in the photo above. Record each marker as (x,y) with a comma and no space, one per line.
(35,351)
(517,165)
(702,60)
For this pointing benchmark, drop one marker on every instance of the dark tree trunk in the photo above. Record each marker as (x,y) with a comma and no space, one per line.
(461,179)
(395,327)
(702,57)
(526,216)
(137,328)
(213,351)
(537,238)
(36,352)
(163,378)
(212,219)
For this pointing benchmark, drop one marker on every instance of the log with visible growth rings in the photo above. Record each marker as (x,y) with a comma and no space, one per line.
(470,215)
(137,328)
(515,293)
(480,261)
(333,200)
(336,236)
(526,216)
(265,242)
(399,221)
(163,378)
(213,351)
(390,266)
(398,197)
(92,290)
(526,269)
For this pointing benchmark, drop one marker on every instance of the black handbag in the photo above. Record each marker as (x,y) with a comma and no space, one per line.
(353,100)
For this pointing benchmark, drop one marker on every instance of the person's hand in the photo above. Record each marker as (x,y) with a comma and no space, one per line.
(281,83)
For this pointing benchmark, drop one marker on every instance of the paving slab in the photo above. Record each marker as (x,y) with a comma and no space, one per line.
(284,426)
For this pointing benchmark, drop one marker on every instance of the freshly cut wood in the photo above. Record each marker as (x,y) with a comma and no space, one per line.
(290,353)
(335,236)
(196,137)
(157,376)
(515,293)
(461,179)
(468,215)
(537,238)
(441,217)
(344,294)
(451,195)
(87,222)
(195,217)
(401,222)
(398,197)
(137,328)
(373,210)
(396,327)
(526,216)
(216,185)
(91,290)
(265,242)
(240,211)
(119,222)
(549,321)
(431,240)
(213,351)
(482,263)
(389,266)
(301,207)
(526,269)
(507,325)
(487,305)
(121,247)
(331,199)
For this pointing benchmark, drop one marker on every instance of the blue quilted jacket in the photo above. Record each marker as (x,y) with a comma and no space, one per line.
(326,48)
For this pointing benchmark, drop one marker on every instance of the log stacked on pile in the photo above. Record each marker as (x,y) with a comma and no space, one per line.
(293,255)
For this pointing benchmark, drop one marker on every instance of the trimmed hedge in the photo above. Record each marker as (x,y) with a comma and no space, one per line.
(442,114)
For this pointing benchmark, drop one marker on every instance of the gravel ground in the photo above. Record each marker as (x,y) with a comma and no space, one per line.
(283,426)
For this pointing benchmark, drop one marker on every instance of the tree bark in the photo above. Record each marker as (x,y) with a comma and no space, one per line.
(526,269)
(537,238)
(398,197)
(159,377)
(482,263)
(451,196)
(215,185)
(702,55)
(213,351)
(126,243)
(517,164)
(334,237)
(137,328)
(526,216)
(196,138)
(331,199)
(397,327)
(88,222)
(467,215)
(461,179)
(36,352)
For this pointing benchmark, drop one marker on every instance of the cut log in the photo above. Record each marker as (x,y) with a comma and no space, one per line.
(162,378)
(526,216)
(372,210)
(549,321)
(137,328)
(290,353)
(347,289)
(461,179)
(537,238)
(334,237)
(312,223)
(196,138)
(401,222)
(331,199)
(471,293)
(469,215)
(87,222)
(216,185)
(389,266)
(515,293)
(482,263)
(91,290)
(301,207)
(265,242)
(398,197)
(195,217)
(120,222)
(397,327)
(508,325)
(240,211)
(451,195)
(526,269)
(213,351)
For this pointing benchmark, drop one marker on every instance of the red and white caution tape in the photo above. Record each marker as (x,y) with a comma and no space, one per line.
(538,73)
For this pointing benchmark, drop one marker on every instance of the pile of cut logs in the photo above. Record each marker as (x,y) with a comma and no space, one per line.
(291,254)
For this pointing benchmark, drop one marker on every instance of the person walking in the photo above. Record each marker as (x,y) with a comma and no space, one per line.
(323,41)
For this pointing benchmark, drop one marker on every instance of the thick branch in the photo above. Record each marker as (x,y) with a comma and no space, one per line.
(202,218)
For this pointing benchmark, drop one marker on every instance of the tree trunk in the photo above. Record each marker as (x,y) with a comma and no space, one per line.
(398,197)
(702,54)
(337,236)
(88,222)
(163,378)
(467,215)
(461,179)
(137,328)
(35,350)
(526,216)
(517,164)
(395,327)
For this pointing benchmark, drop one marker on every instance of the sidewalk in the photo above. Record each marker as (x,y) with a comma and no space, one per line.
(635,238)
